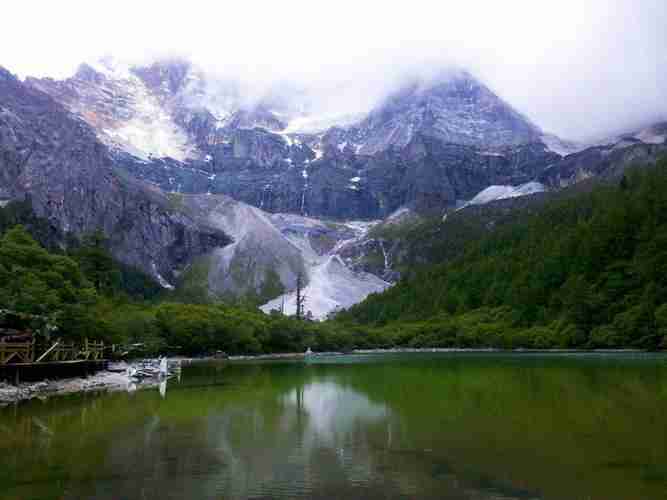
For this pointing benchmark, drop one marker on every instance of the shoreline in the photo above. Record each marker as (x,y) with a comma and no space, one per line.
(495,350)
(113,380)
(425,350)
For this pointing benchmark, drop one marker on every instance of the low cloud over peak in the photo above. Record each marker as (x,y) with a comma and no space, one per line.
(579,69)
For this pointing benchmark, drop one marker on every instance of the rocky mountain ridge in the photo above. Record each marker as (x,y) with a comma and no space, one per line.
(172,126)
(54,159)
(431,145)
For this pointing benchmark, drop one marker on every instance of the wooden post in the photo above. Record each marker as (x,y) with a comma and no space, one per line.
(47,352)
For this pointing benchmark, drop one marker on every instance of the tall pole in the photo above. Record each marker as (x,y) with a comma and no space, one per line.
(300,297)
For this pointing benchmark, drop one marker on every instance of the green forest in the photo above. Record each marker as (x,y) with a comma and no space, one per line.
(586,270)
(84,293)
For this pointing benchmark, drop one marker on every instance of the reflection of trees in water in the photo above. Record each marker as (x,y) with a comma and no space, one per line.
(534,420)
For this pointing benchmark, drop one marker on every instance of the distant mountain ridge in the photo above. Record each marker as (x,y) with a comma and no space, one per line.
(174,126)
(430,145)
(166,97)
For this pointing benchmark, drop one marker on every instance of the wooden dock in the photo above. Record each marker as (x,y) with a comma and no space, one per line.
(31,361)
(33,372)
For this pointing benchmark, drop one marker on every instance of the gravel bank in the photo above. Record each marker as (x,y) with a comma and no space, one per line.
(115,379)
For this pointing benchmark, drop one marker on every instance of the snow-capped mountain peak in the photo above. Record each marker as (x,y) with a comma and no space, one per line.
(123,110)
(453,107)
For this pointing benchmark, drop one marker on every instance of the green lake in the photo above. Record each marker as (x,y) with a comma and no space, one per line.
(414,426)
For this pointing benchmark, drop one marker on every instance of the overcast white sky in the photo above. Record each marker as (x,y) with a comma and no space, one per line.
(578,68)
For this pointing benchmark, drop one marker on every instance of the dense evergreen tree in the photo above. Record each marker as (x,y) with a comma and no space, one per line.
(32,280)
(588,270)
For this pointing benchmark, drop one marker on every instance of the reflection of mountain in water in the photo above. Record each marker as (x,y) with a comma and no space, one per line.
(327,440)
(465,427)
(334,411)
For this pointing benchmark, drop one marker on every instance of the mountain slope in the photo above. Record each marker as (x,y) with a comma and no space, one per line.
(587,270)
(332,283)
(55,161)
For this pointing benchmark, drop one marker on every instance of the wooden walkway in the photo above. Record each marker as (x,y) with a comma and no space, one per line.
(28,352)
(27,359)
(33,372)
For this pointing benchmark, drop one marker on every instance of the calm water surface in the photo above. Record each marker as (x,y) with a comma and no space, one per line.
(447,426)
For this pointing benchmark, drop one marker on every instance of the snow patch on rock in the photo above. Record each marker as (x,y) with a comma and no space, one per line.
(315,123)
(332,285)
(127,115)
(493,193)
(160,279)
(656,134)
(561,146)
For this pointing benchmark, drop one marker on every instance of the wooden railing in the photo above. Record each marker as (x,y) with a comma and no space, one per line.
(17,352)
(27,352)
(92,350)
(64,352)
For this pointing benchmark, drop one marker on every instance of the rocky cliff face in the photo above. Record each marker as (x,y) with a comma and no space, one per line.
(55,160)
(601,162)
